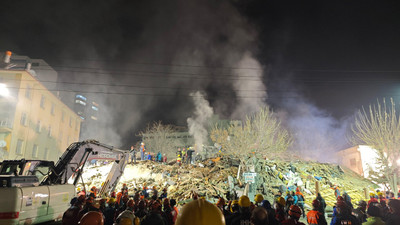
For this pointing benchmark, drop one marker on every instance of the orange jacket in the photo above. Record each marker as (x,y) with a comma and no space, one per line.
(313,217)
(119,196)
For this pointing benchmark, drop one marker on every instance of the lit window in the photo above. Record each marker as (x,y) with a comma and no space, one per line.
(93,118)
(23,119)
(42,100)
(18,149)
(35,151)
(95,108)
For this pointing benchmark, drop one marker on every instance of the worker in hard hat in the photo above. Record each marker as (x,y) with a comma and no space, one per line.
(200,212)
(280,209)
(141,211)
(294,216)
(258,199)
(93,192)
(372,198)
(126,217)
(92,218)
(245,214)
(142,150)
(155,193)
(109,212)
(344,215)
(234,211)
(71,215)
(314,217)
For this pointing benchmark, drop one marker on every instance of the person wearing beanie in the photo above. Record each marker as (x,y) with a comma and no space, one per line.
(374,216)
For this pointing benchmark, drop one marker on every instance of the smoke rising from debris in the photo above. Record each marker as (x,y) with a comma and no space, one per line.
(198,123)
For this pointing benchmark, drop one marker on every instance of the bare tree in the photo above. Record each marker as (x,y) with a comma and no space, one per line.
(160,138)
(379,128)
(261,134)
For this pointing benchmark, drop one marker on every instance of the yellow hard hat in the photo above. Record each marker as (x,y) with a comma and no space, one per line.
(111,201)
(258,198)
(234,202)
(92,218)
(281,201)
(200,212)
(244,201)
(125,221)
(78,189)
(371,194)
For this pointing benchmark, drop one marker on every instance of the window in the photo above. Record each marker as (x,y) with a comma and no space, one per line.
(46,153)
(353,162)
(42,100)
(49,131)
(18,149)
(62,116)
(28,92)
(52,109)
(95,108)
(38,127)
(81,97)
(23,119)
(35,151)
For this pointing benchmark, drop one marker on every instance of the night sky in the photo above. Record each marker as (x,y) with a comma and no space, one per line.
(333,56)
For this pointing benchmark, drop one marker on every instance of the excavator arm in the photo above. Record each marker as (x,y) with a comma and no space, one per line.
(71,164)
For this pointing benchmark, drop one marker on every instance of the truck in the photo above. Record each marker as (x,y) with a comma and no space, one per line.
(37,191)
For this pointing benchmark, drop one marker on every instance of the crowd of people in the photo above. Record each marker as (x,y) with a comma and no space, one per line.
(149,206)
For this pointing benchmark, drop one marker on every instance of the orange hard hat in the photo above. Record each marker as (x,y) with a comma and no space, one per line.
(92,218)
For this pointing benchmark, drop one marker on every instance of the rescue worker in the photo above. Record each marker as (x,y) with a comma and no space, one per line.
(393,218)
(314,217)
(109,212)
(271,212)
(347,199)
(183,154)
(258,199)
(294,216)
(374,216)
(175,210)
(359,212)
(336,191)
(93,192)
(259,216)
(189,154)
(119,197)
(92,218)
(133,152)
(142,211)
(322,204)
(200,212)
(167,212)
(280,209)
(159,157)
(245,214)
(344,215)
(300,200)
(221,205)
(179,156)
(234,208)
(155,193)
(165,158)
(125,217)
(164,194)
(372,199)
(154,217)
(142,150)
(289,199)
(71,216)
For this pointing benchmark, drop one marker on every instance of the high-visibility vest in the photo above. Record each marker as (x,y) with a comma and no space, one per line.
(313,217)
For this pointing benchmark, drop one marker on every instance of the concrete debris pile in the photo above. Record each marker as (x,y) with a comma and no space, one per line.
(216,177)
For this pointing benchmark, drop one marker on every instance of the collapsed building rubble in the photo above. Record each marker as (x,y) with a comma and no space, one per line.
(217,177)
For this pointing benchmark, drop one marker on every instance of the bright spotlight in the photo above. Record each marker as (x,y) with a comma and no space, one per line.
(4,90)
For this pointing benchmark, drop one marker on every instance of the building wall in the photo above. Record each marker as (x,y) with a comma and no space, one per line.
(49,126)
(351,158)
